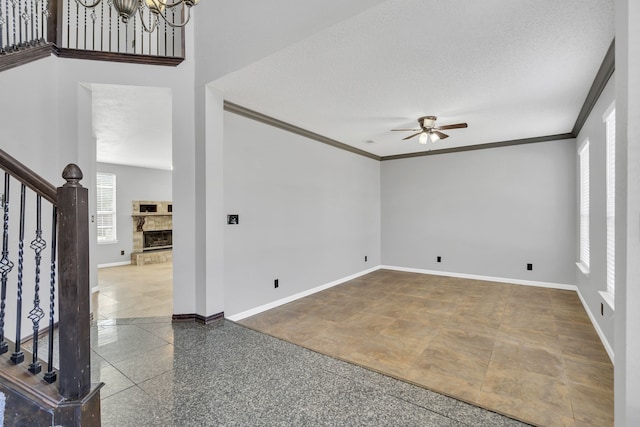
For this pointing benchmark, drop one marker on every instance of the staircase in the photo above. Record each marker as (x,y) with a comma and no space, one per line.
(31,395)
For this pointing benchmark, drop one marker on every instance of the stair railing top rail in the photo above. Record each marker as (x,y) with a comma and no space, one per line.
(28,177)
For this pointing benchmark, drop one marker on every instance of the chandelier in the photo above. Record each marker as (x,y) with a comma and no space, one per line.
(127,8)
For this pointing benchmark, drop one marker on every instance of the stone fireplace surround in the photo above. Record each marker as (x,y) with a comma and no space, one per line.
(150,216)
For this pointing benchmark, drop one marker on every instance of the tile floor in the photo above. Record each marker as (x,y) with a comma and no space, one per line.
(527,352)
(134,291)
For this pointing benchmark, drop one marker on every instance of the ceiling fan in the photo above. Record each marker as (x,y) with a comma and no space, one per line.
(428,130)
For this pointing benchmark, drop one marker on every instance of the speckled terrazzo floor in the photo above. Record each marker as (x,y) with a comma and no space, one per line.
(185,374)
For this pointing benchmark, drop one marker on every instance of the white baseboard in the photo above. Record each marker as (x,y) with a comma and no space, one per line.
(114,264)
(274,304)
(485,278)
(603,338)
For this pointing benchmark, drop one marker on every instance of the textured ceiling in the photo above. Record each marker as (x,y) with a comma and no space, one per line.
(510,69)
(132,125)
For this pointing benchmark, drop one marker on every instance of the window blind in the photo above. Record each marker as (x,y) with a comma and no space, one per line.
(610,123)
(584,204)
(106,207)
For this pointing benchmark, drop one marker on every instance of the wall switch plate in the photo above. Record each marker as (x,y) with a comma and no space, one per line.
(529,267)
(275,283)
(439,259)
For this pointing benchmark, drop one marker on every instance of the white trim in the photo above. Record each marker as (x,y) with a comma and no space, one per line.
(108,242)
(603,338)
(114,264)
(239,316)
(608,298)
(583,268)
(485,278)
(609,111)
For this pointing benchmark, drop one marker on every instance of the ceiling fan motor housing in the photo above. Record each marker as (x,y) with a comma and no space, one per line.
(427,122)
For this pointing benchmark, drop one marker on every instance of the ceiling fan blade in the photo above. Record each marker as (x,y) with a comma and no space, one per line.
(405,130)
(441,135)
(411,136)
(456,126)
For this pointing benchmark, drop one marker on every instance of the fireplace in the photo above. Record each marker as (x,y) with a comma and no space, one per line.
(161,239)
(152,222)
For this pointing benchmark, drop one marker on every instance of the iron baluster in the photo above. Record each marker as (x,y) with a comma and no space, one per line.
(93,30)
(133,43)
(18,355)
(50,375)
(166,50)
(101,26)
(5,263)
(21,16)
(173,33)
(77,15)
(32,40)
(14,46)
(110,25)
(68,24)
(45,16)
(37,38)
(84,44)
(2,25)
(36,314)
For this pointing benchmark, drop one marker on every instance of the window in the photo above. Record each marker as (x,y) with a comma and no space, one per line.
(610,124)
(583,155)
(106,207)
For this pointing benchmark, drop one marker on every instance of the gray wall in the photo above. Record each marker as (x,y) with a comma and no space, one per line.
(486,212)
(589,285)
(309,213)
(132,183)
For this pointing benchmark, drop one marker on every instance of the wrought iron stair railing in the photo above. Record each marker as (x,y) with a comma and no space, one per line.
(33,29)
(64,395)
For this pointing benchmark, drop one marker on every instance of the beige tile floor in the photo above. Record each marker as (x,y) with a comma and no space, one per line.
(134,291)
(527,352)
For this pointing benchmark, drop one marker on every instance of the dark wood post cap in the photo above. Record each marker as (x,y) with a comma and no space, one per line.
(72,174)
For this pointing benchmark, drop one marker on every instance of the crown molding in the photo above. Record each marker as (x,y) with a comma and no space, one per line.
(599,83)
(262,118)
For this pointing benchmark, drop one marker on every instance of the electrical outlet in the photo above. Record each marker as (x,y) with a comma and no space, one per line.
(439,259)
(529,267)
(121,252)
(275,283)
(365,258)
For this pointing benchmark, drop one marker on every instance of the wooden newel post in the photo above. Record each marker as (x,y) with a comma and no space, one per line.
(82,399)
(73,265)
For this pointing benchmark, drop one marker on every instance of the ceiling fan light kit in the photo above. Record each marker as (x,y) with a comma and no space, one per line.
(428,130)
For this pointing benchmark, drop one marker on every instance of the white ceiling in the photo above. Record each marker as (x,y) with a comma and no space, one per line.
(132,125)
(511,69)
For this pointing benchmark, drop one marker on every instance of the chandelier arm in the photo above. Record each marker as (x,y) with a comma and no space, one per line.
(167,5)
(171,24)
(88,6)
(144,26)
